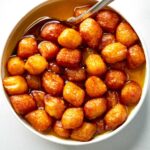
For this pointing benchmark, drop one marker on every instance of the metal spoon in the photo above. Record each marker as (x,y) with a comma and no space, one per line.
(73,20)
(94,9)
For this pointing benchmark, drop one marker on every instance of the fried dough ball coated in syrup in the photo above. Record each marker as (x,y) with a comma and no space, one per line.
(108,20)
(54,106)
(85,132)
(95,108)
(39,120)
(115,117)
(115,79)
(22,104)
(68,58)
(131,93)
(48,49)
(73,94)
(70,38)
(72,118)
(114,52)
(95,65)
(125,34)
(135,57)
(95,87)
(27,47)
(51,31)
(15,85)
(36,64)
(52,83)
(91,32)
(15,66)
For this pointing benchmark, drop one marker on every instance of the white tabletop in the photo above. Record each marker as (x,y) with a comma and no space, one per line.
(14,136)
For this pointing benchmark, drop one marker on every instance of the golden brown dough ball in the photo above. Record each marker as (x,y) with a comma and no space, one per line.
(125,34)
(36,64)
(38,96)
(60,131)
(52,83)
(114,52)
(22,104)
(48,49)
(95,64)
(51,31)
(115,117)
(70,38)
(115,79)
(72,118)
(78,74)
(34,82)
(15,85)
(27,47)
(91,32)
(107,38)
(131,93)
(73,94)
(39,120)
(55,68)
(84,133)
(113,98)
(95,108)
(68,58)
(54,106)
(95,87)
(108,20)
(15,66)
(135,57)
(80,10)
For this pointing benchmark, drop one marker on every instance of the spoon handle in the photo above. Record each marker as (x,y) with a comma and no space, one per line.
(95,8)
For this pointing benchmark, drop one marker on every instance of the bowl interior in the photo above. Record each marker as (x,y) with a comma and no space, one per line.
(61,9)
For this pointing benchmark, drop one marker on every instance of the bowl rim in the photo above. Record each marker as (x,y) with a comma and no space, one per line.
(98,138)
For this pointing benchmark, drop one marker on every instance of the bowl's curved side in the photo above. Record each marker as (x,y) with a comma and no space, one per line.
(52,138)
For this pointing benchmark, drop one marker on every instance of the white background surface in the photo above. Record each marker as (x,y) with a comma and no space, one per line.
(14,136)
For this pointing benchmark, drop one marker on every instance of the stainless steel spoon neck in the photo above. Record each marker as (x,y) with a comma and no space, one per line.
(94,9)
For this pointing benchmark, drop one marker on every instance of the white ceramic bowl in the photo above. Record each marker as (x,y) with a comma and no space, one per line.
(15,36)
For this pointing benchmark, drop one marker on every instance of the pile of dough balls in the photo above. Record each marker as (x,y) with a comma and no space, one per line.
(73,81)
